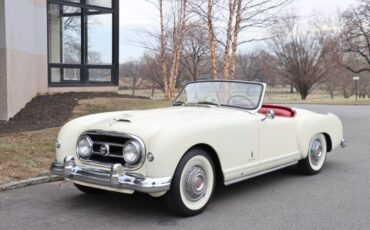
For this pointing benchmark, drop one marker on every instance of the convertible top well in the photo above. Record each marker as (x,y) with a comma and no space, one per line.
(280,111)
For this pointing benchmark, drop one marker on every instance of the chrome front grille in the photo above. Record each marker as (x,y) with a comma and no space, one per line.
(107,148)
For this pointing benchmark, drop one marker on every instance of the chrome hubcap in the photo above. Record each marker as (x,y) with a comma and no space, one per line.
(316,152)
(195,183)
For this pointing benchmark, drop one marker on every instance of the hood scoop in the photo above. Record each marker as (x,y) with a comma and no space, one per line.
(123,120)
(113,121)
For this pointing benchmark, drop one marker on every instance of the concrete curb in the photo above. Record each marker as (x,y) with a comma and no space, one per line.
(27,182)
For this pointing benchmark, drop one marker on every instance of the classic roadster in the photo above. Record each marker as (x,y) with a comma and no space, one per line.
(216,131)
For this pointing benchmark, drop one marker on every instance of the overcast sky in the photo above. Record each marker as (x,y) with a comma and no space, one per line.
(138,15)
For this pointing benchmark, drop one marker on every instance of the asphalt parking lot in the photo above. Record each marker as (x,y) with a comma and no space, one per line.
(337,198)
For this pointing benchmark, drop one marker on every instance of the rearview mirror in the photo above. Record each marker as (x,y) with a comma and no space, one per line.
(269,115)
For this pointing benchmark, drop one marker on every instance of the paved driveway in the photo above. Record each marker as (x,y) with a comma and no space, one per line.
(337,198)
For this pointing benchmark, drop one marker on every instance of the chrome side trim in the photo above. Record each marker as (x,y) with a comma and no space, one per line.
(117,177)
(259,173)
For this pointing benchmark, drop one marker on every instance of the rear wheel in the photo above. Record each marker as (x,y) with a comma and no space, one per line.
(192,185)
(315,160)
(88,190)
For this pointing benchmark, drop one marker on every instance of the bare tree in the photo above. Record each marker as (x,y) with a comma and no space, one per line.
(256,66)
(151,70)
(131,70)
(226,19)
(301,55)
(356,36)
(243,15)
(195,52)
(178,12)
(211,35)
(163,48)
(335,80)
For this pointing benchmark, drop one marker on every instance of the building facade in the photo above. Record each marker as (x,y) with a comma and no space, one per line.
(50,46)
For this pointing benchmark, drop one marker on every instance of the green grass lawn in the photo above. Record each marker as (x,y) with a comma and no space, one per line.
(29,154)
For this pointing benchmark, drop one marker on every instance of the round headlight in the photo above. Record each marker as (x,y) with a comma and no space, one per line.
(132,152)
(84,147)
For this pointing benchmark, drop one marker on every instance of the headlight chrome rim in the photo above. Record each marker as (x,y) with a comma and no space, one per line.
(90,146)
(139,155)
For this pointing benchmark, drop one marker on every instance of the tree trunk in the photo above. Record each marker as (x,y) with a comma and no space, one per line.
(163,50)
(133,85)
(235,40)
(303,96)
(304,91)
(178,42)
(153,88)
(345,95)
(226,66)
(212,46)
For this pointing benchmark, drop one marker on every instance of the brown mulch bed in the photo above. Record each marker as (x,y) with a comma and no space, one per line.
(48,111)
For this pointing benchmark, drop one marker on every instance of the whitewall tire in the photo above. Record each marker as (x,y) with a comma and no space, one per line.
(316,156)
(193,184)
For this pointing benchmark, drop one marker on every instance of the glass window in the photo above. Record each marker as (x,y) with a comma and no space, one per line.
(64,34)
(83,42)
(101,3)
(99,32)
(64,74)
(244,95)
(71,74)
(100,75)
(56,75)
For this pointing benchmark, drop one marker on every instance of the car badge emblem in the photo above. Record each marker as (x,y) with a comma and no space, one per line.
(104,150)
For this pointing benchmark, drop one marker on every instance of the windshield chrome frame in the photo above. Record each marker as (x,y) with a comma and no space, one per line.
(255,110)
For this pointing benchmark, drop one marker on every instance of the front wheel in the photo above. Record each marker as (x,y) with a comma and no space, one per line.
(316,156)
(192,185)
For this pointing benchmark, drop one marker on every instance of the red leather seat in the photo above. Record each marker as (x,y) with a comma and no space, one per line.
(280,111)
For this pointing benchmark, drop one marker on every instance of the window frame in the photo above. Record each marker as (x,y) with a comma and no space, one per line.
(84,66)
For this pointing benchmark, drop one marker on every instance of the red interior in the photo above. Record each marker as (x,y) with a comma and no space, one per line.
(280,111)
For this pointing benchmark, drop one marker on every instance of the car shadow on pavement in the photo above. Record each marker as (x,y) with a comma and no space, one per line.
(117,204)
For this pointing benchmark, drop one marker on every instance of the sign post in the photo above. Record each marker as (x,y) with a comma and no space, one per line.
(356,79)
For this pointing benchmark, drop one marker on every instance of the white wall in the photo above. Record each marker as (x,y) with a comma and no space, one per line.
(2,24)
(3,88)
(26,51)
(23,55)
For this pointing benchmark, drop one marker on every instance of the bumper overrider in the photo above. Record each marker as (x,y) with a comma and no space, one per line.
(116,177)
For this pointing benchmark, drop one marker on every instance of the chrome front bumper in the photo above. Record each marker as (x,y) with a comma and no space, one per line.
(115,178)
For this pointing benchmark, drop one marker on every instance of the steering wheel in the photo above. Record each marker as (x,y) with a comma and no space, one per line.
(250,102)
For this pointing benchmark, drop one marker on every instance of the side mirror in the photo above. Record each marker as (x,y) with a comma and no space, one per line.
(269,115)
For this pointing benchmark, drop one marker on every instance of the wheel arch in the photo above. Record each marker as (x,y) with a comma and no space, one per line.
(329,144)
(214,156)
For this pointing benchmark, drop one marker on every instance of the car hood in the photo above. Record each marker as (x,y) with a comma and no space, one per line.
(147,122)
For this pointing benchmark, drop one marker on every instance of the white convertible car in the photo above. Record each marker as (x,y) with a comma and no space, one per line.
(216,131)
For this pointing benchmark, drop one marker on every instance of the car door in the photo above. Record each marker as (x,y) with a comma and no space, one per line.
(278,143)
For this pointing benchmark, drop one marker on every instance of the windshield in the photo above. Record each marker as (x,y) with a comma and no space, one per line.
(246,95)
